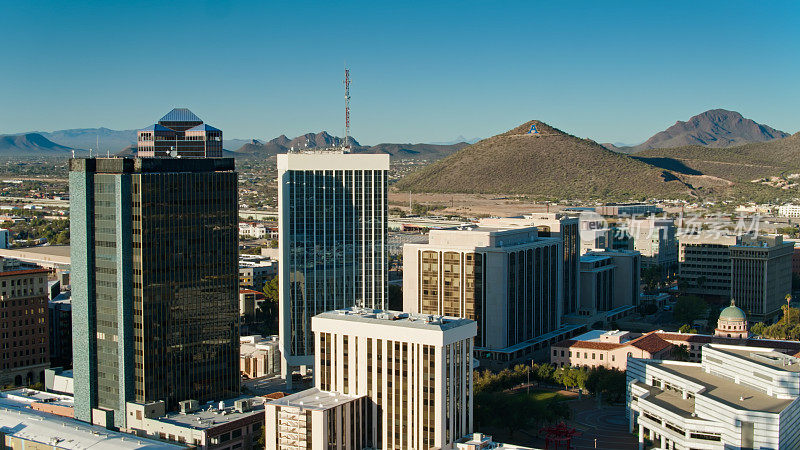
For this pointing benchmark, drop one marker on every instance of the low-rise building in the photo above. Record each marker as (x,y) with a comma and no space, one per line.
(58,404)
(59,381)
(789,210)
(480,441)
(597,284)
(249,301)
(23,427)
(736,397)
(317,420)
(610,349)
(260,356)
(235,423)
(255,272)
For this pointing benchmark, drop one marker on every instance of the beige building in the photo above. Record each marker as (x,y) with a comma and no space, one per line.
(229,424)
(509,280)
(557,225)
(415,370)
(655,239)
(761,274)
(610,349)
(317,420)
(597,284)
(626,280)
(259,356)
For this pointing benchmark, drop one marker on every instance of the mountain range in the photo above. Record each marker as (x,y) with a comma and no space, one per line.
(517,162)
(715,128)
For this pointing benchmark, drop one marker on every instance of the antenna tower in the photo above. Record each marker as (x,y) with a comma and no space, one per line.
(346,108)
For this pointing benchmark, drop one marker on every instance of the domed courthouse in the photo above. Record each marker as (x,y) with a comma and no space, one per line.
(732,323)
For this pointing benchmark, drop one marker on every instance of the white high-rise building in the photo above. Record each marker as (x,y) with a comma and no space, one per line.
(416,371)
(332,225)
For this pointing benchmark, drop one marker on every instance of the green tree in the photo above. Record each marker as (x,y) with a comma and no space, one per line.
(686,328)
(680,352)
(267,312)
(758,328)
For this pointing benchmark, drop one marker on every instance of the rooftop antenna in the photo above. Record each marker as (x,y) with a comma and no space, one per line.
(346,108)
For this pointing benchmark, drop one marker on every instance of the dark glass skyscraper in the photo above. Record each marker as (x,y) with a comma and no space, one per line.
(155,282)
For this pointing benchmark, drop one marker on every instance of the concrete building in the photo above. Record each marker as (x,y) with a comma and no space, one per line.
(179,133)
(154,283)
(506,279)
(790,211)
(415,370)
(259,356)
(332,225)
(60,329)
(655,239)
(627,209)
(597,284)
(26,424)
(317,420)
(480,441)
(231,424)
(59,381)
(254,274)
(734,398)
(610,349)
(626,277)
(48,256)
(761,274)
(24,321)
(705,263)
(258,230)
(249,301)
(5,241)
(557,225)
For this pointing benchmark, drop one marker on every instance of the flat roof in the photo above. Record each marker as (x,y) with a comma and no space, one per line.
(62,432)
(668,400)
(396,318)
(52,250)
(315,399)
(771,359)
(26,396)
(726,391)
(210,416)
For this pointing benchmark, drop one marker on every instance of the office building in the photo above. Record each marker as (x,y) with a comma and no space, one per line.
(736,397)
(626,277)
(597,284)
(415,370)
(655,239)
(332,225)
(259,356)
(506,279)
(705,263)
(24,319)
(317,420)
(179,133)
(557,225)
(761,274)
(254,274)
(789,210)
(155,308)
(235,423)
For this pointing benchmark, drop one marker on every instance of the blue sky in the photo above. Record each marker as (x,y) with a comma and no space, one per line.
(422,71)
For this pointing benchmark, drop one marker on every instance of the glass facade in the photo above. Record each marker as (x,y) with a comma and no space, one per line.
(336,246)
(159,258)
